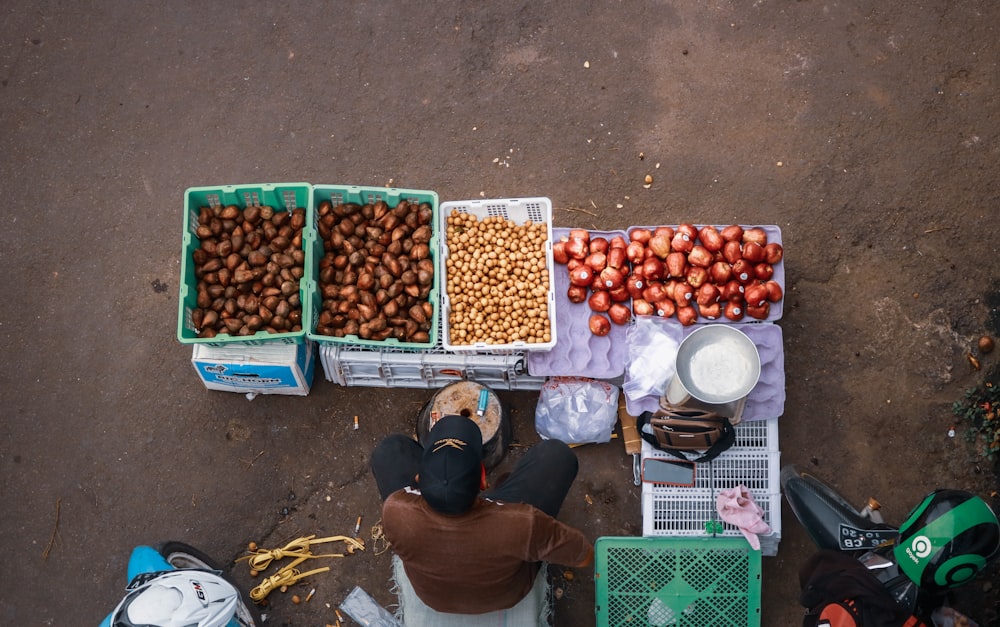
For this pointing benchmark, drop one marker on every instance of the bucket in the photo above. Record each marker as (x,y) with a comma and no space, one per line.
(462,398)
(715,364)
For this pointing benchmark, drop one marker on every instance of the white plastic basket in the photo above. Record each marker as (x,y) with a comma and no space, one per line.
(353,366)
(518,211)
(754,461)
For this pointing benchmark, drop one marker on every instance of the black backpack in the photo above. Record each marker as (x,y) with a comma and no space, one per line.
(838,591)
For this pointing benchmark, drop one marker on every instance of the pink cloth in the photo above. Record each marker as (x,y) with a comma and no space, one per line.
(737,507)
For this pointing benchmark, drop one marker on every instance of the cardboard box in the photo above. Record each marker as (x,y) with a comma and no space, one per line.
(266,369)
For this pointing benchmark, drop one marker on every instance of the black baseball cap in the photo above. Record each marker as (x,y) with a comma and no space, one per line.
(450,469)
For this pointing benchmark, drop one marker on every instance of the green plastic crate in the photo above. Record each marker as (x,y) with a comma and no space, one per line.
(280,196)
(677,582)
(338,194)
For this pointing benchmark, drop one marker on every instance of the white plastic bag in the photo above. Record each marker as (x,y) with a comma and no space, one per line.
(576,410)
(652,350)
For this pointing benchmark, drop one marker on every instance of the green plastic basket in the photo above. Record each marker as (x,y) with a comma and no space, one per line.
(338,194)
(677,582)
(281,197)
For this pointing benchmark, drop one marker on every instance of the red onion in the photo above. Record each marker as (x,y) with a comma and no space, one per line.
(688,229)
(731,290)
(711,311)
(559,252)
(597,261)
(577,248)
(721,272)
(653,268)
(710,238)
(640,235)
(683,294)
(773,253)
(635,252)
(617,257)
(732,233)
(734,310)
(755,295)
(619,313)
(612,278)
(700,256)
(619,295)
(774,291)
(599,325)
(687,315)
(682,242)
(599,301)
(743,271)
(665,308)
(731,251)
(707,294)
(763,271)
(576,293)
(696,276)
(635,284)
(755,235)
(761,312)
(666,231)
(753,252)
(677,264)
(599,245)
(654,292)
(581,276)
(642,308)
(660,245)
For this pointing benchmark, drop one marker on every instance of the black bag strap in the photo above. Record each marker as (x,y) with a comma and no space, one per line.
(726,441)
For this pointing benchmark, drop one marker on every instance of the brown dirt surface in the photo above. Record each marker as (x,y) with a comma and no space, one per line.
(869,132)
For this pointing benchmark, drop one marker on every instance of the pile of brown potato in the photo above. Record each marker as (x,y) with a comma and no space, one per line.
(377,272)
(248,264)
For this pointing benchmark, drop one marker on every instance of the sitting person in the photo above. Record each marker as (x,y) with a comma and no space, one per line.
(469,554)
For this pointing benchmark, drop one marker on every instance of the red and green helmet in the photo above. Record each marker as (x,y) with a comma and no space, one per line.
(947,539)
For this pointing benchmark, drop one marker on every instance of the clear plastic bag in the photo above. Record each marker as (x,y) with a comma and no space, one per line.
(576,410)
(652,349)
(363,609)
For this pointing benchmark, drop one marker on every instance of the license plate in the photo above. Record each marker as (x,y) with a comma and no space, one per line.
(854,539)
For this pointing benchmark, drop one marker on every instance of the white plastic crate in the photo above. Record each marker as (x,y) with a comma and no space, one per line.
(754,461)
(435,368)
(518,211)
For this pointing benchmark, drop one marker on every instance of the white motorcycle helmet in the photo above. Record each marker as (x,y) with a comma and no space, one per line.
(179,598)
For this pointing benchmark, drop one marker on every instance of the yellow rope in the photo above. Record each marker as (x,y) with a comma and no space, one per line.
(298,548)
(284,577)
(289,574)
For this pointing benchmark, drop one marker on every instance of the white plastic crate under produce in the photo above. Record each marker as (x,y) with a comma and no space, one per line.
(754,461)
(435,368)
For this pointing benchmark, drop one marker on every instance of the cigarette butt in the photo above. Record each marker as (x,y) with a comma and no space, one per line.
(355,423)
(340,616)
(357,526)
(310,595)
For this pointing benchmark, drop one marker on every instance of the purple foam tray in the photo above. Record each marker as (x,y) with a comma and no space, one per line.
(578,352)
(767,399)
(773,235)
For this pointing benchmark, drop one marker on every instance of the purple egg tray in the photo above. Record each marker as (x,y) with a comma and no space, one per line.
(767,399)
(578,352)
(773,235)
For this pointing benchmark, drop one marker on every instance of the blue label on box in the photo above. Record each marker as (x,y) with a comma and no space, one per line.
(248,375)
(279,368)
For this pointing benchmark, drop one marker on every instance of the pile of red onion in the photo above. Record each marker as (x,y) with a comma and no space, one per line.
(680,271)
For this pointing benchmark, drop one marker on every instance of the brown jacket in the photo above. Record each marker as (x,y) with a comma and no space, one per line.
(480,561)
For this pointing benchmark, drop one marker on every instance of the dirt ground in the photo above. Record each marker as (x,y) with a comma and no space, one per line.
(868,131)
